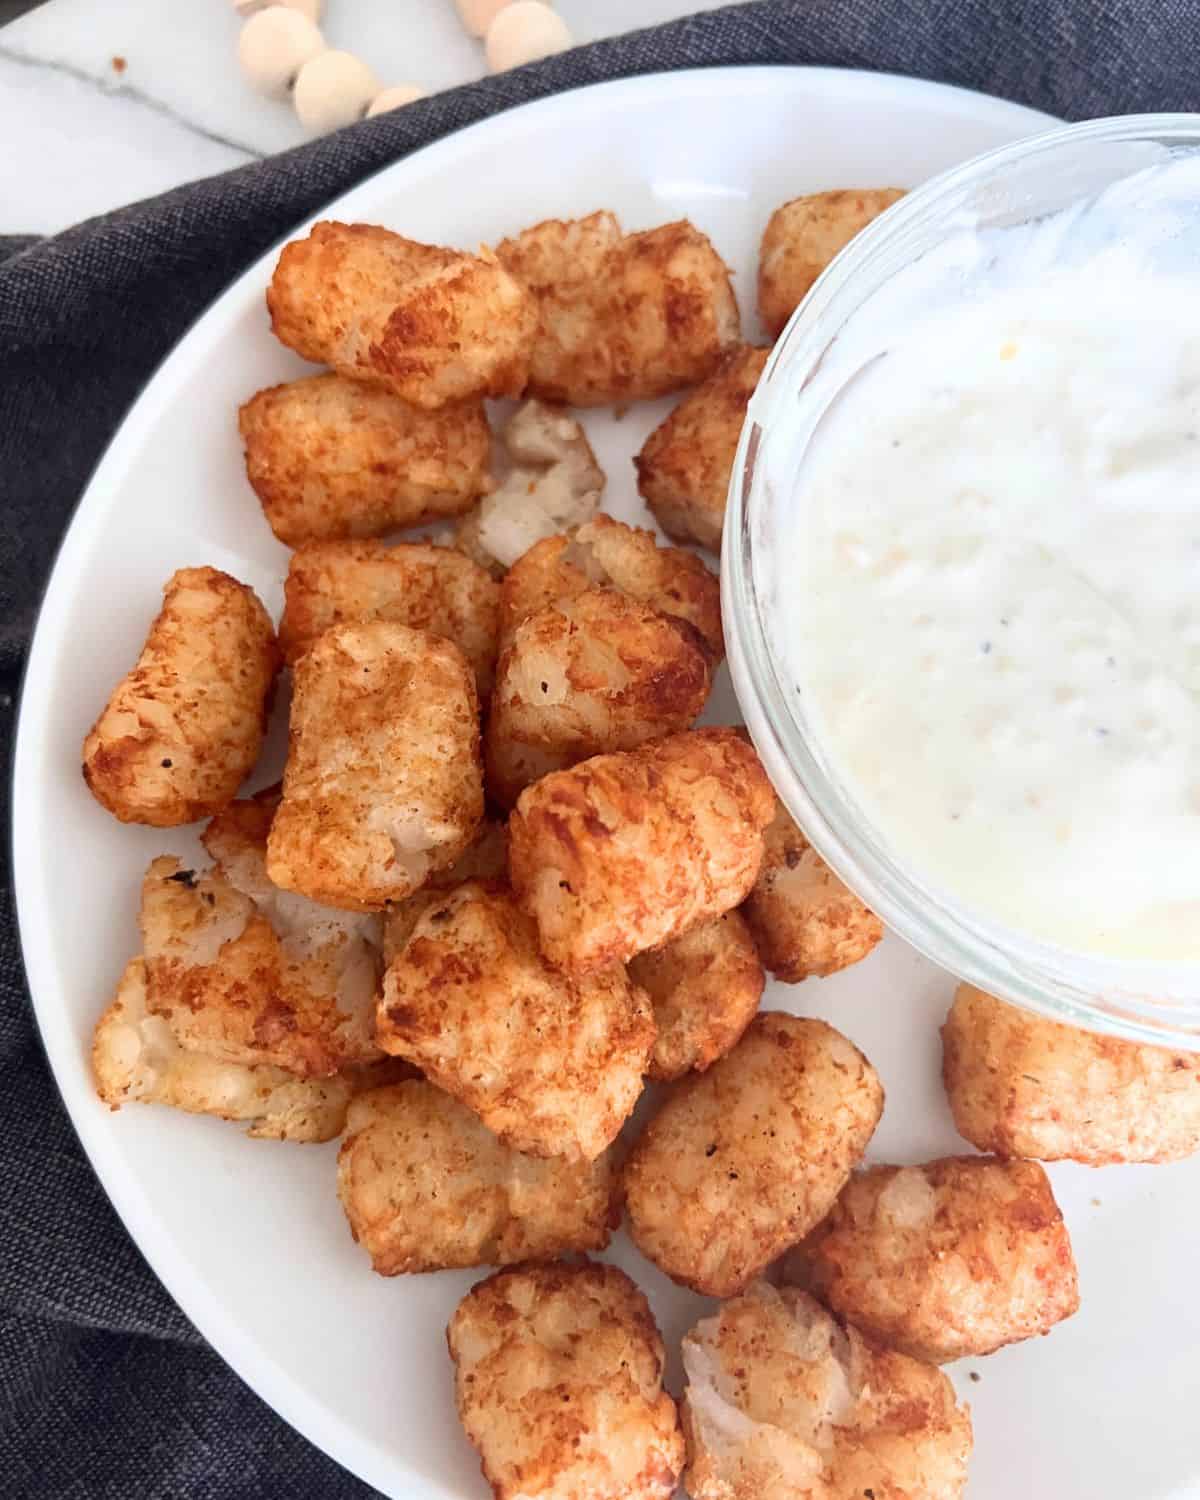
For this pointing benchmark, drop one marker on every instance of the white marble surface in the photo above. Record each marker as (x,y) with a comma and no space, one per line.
(79,134)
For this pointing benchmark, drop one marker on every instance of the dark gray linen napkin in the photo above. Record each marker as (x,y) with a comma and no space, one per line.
(106,1392)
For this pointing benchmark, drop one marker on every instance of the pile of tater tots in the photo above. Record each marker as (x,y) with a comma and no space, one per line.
(505,885)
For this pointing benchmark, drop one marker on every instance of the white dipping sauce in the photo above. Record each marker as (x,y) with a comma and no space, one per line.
(996,625)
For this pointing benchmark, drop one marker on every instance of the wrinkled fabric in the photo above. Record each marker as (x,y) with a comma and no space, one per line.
(106,1392)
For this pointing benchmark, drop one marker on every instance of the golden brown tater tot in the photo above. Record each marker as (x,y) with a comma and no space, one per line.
(183,729)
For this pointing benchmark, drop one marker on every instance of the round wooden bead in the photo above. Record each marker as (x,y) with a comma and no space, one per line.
(273,47)
(309,8)
(522,33)
(393,98)
(333,89)
(478,15)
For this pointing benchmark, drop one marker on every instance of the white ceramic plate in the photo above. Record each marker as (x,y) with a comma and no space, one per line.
(248,1236)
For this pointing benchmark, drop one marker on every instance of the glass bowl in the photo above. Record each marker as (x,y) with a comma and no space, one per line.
(1142,1000)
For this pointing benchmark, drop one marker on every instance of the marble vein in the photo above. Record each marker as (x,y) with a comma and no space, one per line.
(129,91)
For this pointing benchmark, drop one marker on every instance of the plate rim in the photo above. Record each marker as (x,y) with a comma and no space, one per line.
(250,1360)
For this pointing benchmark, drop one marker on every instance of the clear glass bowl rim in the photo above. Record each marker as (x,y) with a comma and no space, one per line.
(1091,992)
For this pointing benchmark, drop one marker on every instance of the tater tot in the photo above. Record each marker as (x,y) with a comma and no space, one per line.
(553,483)
(135,1057)
(285,983)
(425,1186)
(960,1256)
(432,325)
(551,1064)
(1022,1085)
(384,781)
(182,730)
(414,584)
(486,858)
(705,987)
(331,458)
(622,317)
(800,240)
(805,920)
(609,554)
(684,467)
(625,852)
(596,673)
(742,1161)
(237,841)
(558,1379)
(784,1403)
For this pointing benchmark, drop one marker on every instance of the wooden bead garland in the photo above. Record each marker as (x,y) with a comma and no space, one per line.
(394,98)
(333,89)
(478,15)
(274,45)
(524,31)
(282,52)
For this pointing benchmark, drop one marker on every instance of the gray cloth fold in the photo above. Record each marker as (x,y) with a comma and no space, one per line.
(106,1392)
